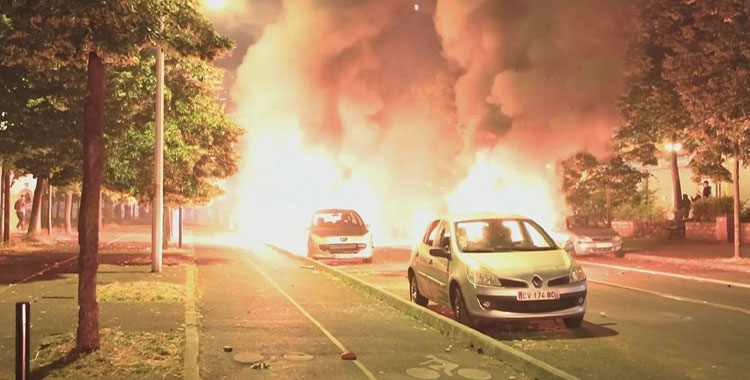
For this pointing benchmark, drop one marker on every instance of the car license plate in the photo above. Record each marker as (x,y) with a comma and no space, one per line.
(536,295)
(604,245)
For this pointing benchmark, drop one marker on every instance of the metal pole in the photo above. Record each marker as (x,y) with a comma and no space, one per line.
(158,204)
(23,339)
(49,209)
(180,226)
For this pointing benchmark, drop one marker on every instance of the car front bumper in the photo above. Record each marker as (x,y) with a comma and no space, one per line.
(501,303)
(320,254)
(598,247)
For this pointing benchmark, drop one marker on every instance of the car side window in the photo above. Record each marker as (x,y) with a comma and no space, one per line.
(431,234)
(445,237)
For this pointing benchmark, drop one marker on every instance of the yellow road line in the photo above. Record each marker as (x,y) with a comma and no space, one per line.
(314,321)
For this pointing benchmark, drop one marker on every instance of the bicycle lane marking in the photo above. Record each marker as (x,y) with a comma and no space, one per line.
(56,265)
(307,315)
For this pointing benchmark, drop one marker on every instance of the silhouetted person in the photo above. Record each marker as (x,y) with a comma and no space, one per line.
(685,205)
(706,189)
(20,207)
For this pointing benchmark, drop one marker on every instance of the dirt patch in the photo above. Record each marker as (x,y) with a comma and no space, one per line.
(141,291)
(123,355)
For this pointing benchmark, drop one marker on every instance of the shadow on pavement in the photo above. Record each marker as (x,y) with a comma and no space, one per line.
(47,265)
(546,330)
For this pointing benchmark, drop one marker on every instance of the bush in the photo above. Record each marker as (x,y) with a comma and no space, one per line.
(642,211)
(707,209)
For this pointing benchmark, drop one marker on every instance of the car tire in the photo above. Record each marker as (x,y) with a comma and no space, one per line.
(620,253)
(414,294)
(573,322)
(458,304)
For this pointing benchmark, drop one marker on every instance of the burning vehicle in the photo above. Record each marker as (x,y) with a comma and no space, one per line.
(339,234)
(496,267)
(587,234)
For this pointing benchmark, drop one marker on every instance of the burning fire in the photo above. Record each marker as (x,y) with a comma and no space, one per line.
(508,188)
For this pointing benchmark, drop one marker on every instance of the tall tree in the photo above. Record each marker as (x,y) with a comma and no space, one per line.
(708,63)
(89,34)
(586,181)
(654,115)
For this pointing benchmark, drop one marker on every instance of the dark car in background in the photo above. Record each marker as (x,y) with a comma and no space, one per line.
(589,234)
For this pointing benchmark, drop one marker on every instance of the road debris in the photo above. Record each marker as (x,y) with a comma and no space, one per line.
(260,365)
(348,356)
(227,348)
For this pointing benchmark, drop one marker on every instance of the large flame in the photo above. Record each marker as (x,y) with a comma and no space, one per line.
(505,184)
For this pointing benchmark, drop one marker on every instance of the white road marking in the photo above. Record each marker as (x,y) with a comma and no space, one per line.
(668,274)
(674,297)
(314,321)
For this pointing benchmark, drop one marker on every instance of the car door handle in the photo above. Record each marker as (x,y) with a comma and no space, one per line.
(430,262)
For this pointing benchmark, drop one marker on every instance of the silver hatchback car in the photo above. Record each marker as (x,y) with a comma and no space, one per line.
(500,267)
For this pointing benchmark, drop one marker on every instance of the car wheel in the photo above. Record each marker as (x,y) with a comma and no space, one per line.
(573,322)
(460,313)
(414,294)
(620,253)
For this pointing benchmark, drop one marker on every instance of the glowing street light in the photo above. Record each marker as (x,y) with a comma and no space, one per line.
(673,147)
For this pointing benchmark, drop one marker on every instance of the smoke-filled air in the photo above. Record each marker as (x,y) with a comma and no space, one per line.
(405,110)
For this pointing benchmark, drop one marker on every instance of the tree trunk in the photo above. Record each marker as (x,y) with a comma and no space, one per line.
(608,204)
(736,187)
(87,335)
(35,221)
(2,198)
(167,228)
(49,209)
(676,187)
(68,211)
(6,199)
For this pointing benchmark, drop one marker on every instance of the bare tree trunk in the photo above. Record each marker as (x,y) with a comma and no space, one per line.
(35,221)
(676,187)
(6,201)
(736,180)
(87,335)
(68,211)
(167,228)
(49,209)
(2,198)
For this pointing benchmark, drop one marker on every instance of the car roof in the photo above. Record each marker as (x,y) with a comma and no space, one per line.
(458,217)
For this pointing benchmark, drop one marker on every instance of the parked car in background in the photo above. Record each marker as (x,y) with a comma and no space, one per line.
(339,234)
(591,234)
(497,267)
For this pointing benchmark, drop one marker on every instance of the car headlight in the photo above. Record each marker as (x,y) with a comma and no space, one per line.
(617,239)
(585,239)
(482,276)
(577,274)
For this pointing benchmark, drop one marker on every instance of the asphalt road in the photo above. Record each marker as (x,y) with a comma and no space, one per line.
(640,324)
(273,309)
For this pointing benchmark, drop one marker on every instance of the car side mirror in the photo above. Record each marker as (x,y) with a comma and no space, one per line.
(439,252)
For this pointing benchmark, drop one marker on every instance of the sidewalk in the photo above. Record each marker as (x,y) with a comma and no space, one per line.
(710,255)
(141,314)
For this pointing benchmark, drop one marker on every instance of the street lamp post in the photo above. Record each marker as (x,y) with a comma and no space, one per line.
(158,204)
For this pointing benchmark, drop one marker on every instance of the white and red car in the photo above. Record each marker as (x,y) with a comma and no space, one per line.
(339,234)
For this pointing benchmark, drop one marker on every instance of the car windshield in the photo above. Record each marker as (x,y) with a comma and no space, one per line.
(502,235)
(579,221)
(336,219)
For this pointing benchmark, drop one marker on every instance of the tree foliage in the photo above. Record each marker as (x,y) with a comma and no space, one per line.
(585,180)
(199,138)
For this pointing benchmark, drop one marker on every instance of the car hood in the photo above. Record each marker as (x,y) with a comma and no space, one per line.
(522,264)
(594,232)
(339,231)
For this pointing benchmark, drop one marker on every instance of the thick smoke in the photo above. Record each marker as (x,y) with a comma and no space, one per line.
(381,107)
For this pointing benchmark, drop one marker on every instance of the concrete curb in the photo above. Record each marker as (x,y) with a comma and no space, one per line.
(691,262)
(446,326)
